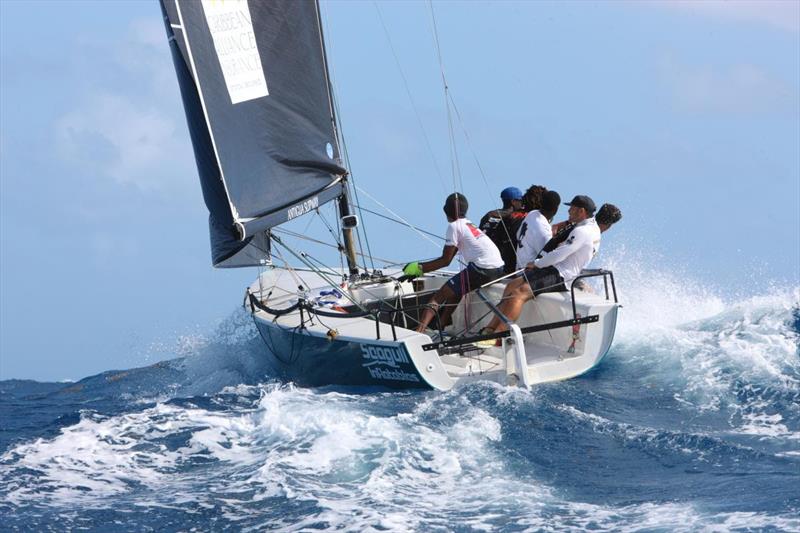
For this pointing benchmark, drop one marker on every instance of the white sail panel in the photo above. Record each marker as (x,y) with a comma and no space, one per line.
(231,28)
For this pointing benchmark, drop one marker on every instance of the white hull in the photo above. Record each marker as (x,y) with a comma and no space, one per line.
(358,351)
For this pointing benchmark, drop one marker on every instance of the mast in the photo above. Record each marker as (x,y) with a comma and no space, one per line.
(349,221)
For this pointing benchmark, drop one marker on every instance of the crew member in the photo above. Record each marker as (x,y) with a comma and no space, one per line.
(484,263)
(606,216)
(501,225)
(532,199)
(556,269)
(535,231)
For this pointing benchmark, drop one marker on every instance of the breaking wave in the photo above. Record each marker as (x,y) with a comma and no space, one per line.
(691,422)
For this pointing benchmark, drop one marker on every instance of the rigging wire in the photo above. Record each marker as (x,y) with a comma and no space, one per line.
(488,188)
(330,229)
(410,97)
(346,154)
(322,266)
(478,163)
(426,232)
(323,243)
(297,279)
(402,220)
(458,184)
(451,104)
(321,274)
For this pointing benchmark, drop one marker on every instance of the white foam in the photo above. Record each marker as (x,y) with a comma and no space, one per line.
(100,457)
(439,464)
(765,425)
(657,297)
(717,353)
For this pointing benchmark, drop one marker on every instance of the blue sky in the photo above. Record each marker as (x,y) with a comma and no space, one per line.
(686,115)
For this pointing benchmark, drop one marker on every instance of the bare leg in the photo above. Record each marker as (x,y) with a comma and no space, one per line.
(512,286)
(444,295)
(445,315)
(512,307)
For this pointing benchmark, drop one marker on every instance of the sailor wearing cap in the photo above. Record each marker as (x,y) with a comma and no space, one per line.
(554,270)
(501,225)
(578,248)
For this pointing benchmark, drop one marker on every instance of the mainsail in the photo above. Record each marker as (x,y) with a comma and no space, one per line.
(256,92)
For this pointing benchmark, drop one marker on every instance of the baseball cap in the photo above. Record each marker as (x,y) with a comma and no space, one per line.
(511,193)
(584,202)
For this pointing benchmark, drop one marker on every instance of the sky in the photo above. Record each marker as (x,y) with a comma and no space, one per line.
(684,114)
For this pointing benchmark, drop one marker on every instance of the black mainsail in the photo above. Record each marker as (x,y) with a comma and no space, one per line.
(255,88)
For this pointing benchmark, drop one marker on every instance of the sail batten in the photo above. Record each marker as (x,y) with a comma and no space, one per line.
(255,88)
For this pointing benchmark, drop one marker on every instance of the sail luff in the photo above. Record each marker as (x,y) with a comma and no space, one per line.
(328,81)
(198,84)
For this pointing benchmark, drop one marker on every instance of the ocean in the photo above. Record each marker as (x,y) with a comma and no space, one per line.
(690,423)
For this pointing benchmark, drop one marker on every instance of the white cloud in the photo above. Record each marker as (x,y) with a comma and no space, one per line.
(741,88)
(129,127)
(783,14)
(115,137)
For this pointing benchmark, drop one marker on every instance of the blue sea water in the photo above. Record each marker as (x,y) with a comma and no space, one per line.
(691,423)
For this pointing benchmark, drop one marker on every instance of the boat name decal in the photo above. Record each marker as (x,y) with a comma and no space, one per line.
(303,208)
(389,356)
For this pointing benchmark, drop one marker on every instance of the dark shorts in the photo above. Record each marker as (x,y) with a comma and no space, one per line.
(472,278)
(545,280)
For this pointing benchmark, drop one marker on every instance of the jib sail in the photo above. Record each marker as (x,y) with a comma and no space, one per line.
(255,88)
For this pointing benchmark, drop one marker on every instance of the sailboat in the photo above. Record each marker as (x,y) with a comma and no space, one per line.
(260,108)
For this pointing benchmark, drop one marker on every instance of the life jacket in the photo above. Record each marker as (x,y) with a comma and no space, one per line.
(557,239)
(501,226)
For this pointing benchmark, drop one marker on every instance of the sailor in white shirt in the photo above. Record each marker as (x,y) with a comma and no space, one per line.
(576,252)
(484,262)
(555,270)
(535,230)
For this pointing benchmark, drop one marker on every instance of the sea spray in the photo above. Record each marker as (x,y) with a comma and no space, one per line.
(691,422)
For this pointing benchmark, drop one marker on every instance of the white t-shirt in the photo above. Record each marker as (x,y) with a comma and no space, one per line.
(533,234)
(574,254)
(473,244)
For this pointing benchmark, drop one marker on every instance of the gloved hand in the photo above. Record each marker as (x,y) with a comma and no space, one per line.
(413,270)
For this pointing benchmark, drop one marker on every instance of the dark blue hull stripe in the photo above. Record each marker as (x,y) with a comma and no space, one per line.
(312,361)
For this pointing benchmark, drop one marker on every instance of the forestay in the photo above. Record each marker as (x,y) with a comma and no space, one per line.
(255,88)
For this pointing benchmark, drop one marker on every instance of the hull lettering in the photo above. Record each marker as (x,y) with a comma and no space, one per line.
(383,362)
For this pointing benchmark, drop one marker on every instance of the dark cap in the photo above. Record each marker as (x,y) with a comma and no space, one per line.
(584,202)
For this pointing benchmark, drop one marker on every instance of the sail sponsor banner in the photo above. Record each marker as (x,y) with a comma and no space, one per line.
(231,28)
